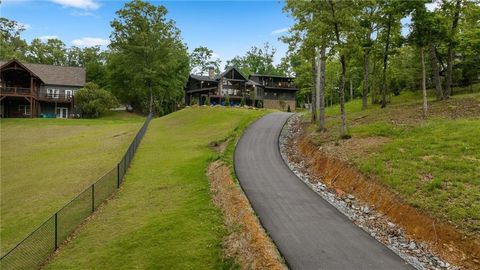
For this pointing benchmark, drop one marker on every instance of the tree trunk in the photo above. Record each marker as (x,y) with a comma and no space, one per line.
(314,99)
(373,91)
(385,63)
(448,86)
(436,72)
(365,81)
(321,90)
(317,82)
(351,90)
(344,132)
(424,84)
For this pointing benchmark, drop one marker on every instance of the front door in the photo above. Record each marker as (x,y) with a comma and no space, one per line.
(62,112)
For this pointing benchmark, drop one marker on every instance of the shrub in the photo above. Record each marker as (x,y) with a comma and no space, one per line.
(242,102)
(227,100)
(92,101)
(193,101)
(207,101)
(288,109)
(259,104)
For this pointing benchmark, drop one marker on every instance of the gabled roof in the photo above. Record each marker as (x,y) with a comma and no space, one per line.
(228,70)
(54,75)
(202,78)
(250,82)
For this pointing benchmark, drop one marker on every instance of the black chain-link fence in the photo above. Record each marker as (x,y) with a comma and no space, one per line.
(34,249)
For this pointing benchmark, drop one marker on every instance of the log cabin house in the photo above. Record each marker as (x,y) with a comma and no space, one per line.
(274,92)
(37,90)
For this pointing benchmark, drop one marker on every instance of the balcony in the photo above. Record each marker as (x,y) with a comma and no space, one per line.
(15,91)
(49,96)
(279,84)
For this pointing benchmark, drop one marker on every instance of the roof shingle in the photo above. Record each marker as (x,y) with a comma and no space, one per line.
(56,75)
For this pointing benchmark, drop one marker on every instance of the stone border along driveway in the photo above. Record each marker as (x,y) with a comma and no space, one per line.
(376,224)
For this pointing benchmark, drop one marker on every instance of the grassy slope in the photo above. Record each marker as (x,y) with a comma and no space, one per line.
(433,164)
(46,162)
(163,217)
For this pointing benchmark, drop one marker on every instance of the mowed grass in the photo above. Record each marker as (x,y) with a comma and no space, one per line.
(162,217)
(46,162)
(432,164)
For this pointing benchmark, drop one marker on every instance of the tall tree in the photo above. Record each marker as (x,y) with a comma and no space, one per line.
(419,36)
(340,28)
(50,52)
(455,9)
(11,44)
(201,59)
(256,60)
(148,64)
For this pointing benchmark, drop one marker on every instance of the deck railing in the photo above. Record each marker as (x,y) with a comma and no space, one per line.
(33,250)
(55,96)
(15,90)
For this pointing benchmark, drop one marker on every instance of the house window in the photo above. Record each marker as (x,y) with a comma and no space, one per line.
(68,93)
(53,93)
(24,109)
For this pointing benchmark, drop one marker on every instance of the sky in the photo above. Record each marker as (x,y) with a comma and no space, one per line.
(229,28)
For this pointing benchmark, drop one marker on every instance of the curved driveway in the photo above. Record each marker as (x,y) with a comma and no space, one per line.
(308,231)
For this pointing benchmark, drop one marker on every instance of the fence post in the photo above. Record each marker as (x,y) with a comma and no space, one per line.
(118,175)
(93,197)
(56,231)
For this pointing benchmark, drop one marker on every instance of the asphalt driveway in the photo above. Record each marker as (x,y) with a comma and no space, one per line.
(308,231)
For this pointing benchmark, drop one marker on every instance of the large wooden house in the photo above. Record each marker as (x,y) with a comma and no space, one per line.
(275,92)
(35,90)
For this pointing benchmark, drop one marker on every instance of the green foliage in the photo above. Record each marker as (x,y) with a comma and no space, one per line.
(242,102)
(11,44)
(207,101)
(227,100)
(259,104)
(201,60)
(93,101)
(257,60)
(148,58)
(50,52)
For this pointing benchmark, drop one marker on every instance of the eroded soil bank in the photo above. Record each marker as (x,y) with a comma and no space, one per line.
(442,238)
(246,241)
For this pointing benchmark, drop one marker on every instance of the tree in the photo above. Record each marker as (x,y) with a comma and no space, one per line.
(391,13)
(92,101)
(148,65)
(50,52)
(340,28)
(11,44)
(455,9)
(201,59)
(419,36)
(256,60)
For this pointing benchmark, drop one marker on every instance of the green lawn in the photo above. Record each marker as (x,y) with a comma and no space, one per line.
(46,162)
(162,217)
(433,164)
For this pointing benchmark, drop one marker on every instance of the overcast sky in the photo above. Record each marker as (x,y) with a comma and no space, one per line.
(228,28)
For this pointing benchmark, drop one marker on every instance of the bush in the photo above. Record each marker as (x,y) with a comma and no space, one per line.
(259,104)
(227,100)
(207,101)
(193,101)
(288,109)
(92,101)
(242,102)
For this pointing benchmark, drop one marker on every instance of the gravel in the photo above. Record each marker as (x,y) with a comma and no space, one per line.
(363,215)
